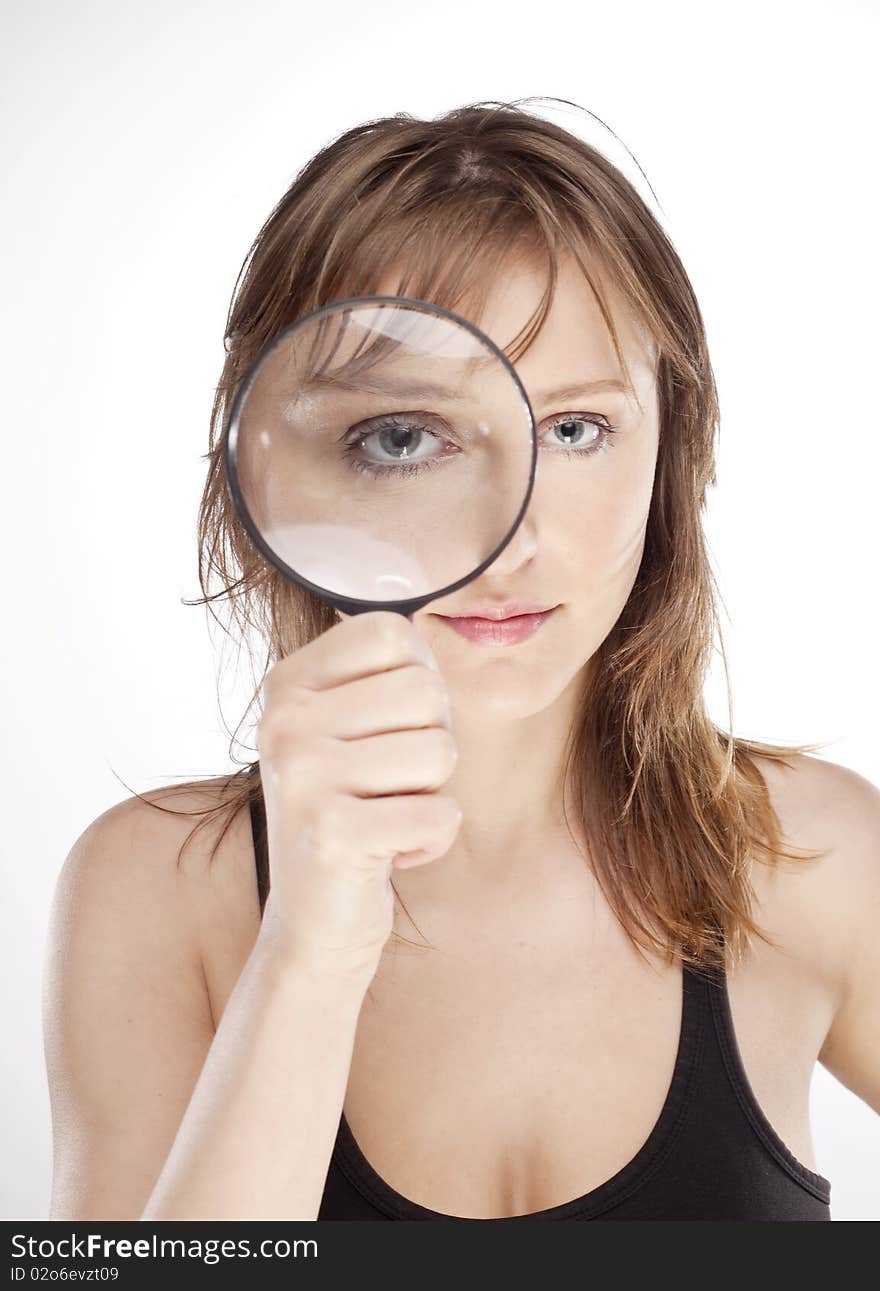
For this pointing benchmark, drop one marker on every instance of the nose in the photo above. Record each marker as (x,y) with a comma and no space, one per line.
(521,548)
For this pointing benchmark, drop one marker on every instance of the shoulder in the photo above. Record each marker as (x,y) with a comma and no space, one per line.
(826,911)
(133,910)
(153,853)
(814,792)
(830,809)
(825,807)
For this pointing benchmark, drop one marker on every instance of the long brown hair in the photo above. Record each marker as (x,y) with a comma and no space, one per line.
(678,808)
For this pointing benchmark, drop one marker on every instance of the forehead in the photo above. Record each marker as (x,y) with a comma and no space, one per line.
(573,343)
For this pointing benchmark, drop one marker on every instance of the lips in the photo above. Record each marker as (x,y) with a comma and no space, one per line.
(509,630)
(497,613)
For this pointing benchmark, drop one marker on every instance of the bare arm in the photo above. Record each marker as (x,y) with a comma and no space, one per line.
(258,1133)
(155,1116)
(851,1051)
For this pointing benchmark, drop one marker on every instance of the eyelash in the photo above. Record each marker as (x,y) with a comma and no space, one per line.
(413,468)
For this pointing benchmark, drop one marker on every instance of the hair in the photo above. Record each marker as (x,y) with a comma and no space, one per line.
(675,808)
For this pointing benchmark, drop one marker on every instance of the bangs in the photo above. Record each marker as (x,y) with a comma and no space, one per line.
(453,256)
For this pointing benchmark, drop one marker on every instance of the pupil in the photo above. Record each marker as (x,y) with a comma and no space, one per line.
(400,437)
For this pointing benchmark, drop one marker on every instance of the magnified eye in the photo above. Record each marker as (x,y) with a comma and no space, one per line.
(582,433)
(396,445)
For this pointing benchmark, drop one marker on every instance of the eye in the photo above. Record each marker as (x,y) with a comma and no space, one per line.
(584,433)
(400,444)
(407,443)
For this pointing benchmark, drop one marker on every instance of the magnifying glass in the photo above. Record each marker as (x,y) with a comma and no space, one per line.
(381,453)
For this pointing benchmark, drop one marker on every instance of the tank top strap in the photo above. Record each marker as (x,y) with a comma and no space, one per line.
(261,852)
(729,1060)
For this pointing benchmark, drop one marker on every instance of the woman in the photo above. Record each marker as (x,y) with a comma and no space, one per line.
(635,933)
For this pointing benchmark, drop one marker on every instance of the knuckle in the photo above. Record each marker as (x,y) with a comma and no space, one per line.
(289,710)
(270,733)
(299,702)
(276,682)
(429,691)
(279,739)
(391,631)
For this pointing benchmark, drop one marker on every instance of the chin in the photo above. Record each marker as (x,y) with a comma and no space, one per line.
(498,690)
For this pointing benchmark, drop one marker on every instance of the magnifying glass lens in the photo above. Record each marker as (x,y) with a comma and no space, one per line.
(381,449)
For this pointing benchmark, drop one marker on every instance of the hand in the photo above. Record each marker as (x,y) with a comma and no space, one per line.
(355,741)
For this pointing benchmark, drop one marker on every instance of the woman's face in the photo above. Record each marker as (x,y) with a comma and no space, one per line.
(580,542)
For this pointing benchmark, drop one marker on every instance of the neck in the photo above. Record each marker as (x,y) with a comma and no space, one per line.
(508,782)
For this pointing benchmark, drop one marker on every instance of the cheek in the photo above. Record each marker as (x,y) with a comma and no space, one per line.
(599,516)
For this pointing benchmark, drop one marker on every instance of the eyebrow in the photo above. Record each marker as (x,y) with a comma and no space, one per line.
(427,390)
(581,387)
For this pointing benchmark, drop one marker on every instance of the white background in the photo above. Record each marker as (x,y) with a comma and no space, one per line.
(146,143)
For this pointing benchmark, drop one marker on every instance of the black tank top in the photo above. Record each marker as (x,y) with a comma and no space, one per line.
(712,1153)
